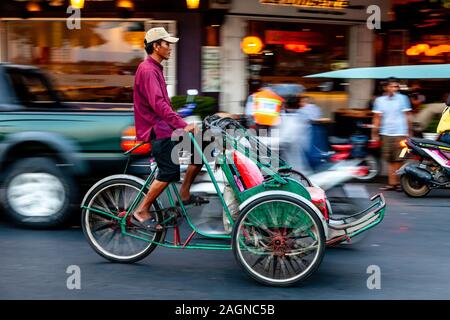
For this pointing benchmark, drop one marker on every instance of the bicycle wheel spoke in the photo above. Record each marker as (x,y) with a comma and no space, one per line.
(131,244)
(117,198)
(109,242)
(289,262)
(300,265)
(104,236)
(284,269)
(275,265)
(267,265)
(111,199)
(114,243)
(279,241)
(103,205)
(101,225)
(258,261)
(128,197)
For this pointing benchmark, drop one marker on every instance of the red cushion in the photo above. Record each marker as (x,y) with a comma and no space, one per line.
(249,171)
(319,199)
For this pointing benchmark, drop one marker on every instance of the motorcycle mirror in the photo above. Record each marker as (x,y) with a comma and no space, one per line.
(192,92)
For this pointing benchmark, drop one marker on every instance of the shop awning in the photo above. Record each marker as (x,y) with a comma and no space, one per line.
(431,71)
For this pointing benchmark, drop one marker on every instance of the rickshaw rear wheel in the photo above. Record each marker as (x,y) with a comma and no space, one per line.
(278,240)
(104,234)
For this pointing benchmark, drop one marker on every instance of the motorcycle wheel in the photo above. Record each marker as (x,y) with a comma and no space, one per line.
(414,187)
(374,168)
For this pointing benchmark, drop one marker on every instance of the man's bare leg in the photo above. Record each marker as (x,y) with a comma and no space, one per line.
(393,178)
(395,167)
(156,188)
(191,173)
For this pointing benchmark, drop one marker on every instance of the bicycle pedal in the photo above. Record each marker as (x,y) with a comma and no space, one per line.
(174,215)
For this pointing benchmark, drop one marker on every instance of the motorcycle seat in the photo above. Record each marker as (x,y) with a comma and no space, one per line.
(419,141)
(338,141)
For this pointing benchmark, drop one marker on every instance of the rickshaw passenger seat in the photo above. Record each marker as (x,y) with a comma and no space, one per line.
(249,171)
(319,199)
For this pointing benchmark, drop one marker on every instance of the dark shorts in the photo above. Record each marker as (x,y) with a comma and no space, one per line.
(168,171)
(168,168)
(391,148)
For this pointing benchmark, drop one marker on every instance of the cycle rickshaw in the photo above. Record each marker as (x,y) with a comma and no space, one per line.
(278,232)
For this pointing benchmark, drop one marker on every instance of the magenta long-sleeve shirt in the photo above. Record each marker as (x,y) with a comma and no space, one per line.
(152,108)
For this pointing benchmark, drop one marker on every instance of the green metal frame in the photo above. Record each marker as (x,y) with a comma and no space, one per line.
(275,181)
(377,208)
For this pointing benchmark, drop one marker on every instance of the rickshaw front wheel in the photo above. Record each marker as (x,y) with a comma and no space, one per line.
(115,195)
(278,240)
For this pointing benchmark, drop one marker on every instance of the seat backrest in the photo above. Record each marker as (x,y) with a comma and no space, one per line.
(249,171)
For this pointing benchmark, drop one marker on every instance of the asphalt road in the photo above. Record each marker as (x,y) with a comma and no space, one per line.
(411,247)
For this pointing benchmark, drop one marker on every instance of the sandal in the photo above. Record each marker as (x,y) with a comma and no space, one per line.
(388,188)
(195,200)
(150,224)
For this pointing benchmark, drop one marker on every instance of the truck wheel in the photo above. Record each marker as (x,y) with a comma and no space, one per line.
(37,194)
(413,187)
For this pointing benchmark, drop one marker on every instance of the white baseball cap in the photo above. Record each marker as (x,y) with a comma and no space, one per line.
(159,34)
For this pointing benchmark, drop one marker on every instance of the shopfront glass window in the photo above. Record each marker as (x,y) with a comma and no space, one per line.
(96,63)
(294,50)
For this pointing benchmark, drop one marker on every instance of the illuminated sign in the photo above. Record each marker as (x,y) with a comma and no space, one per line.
(298,48)
(427,50)
(293,37)
(328,4)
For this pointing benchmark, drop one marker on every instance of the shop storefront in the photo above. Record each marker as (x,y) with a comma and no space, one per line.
(96,60)
(94,63)
(418,33)
(299,38)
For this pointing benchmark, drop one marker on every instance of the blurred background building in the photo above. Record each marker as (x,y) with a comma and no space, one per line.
(298,40)
(97,62)
(290,39)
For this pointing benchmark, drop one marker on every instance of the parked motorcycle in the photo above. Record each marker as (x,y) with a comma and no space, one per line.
(428,168)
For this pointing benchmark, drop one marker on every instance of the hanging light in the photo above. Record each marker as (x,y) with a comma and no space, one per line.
(77,4)
(251,45)
(33,7)
(193,4)
(125,4)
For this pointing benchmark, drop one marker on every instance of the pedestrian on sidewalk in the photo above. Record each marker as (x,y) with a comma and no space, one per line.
(392,123)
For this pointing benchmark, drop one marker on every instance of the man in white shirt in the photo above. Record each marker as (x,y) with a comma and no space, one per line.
(308,109)
(392,121)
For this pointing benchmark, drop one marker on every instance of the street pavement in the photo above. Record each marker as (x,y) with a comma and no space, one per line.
(411,247)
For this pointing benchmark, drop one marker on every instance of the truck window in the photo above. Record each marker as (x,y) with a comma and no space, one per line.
(6,94)
(31,88)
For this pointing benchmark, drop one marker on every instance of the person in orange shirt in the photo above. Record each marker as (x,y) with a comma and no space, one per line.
(265,108)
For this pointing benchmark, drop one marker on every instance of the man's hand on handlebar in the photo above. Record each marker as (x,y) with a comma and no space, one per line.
(193,128)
